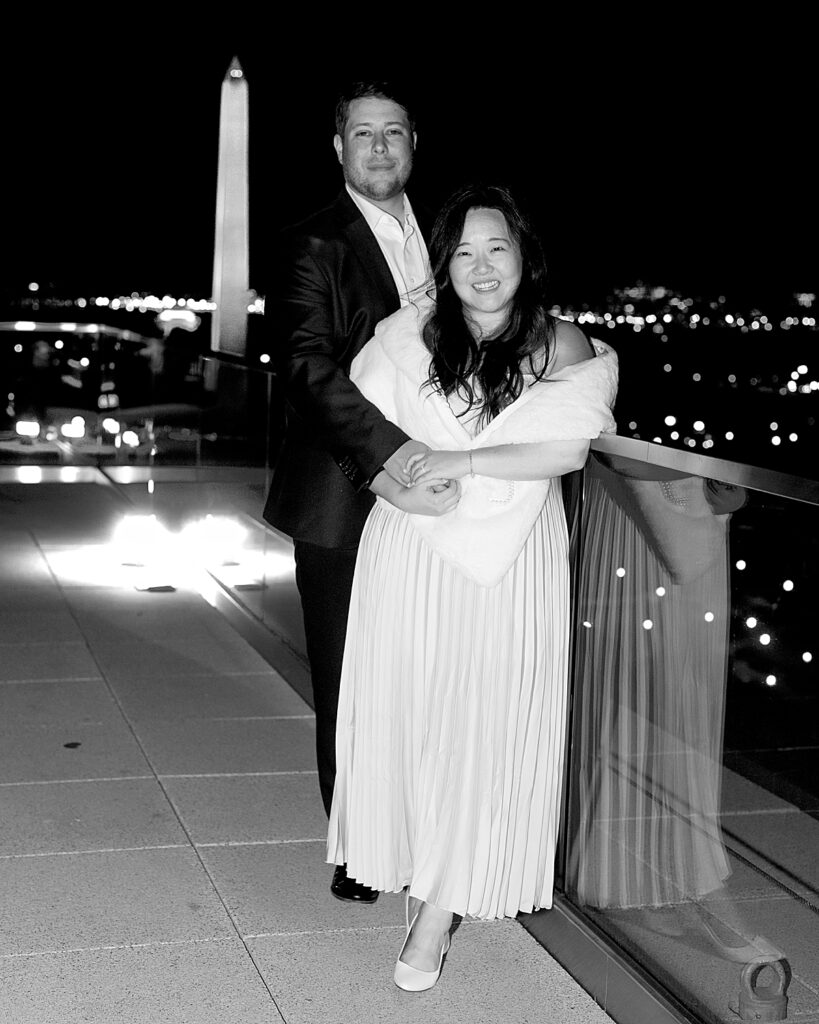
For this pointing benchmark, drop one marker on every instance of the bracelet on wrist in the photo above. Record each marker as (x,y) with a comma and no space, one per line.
(471,470)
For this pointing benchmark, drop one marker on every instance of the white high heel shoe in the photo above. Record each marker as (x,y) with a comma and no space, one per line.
(410,979)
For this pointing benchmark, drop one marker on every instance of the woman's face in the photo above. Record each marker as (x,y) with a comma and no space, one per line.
(485,269)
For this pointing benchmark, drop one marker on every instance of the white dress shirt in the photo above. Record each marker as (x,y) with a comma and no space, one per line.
(403,247)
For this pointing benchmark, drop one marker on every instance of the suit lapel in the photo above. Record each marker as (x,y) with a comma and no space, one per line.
(363,243)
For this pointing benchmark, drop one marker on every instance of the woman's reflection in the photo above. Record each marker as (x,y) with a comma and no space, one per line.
(651,670)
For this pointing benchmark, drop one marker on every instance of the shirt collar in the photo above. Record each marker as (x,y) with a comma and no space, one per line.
(374,214)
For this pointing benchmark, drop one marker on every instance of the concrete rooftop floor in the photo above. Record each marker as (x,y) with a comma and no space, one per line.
(162,849)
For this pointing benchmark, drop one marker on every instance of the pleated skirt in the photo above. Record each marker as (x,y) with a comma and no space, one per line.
(451,721)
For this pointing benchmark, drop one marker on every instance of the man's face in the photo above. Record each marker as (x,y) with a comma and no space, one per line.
(377,147)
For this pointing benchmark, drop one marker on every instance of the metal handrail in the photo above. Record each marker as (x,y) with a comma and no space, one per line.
(693,464)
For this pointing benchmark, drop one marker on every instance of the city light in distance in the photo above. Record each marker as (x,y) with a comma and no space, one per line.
(74,429)
(661,314)
(741,564)
(764,639)
(770,680)
(787,585)
(807,657)
(750,622)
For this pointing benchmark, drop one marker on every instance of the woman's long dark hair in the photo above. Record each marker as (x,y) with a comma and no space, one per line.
(489,374)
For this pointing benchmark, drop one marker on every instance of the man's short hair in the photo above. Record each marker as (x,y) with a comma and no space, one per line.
(363,90)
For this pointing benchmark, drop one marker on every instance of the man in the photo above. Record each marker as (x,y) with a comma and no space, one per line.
(338,273)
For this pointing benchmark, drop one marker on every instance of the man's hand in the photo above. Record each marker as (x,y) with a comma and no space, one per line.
(396,464)
(430,499)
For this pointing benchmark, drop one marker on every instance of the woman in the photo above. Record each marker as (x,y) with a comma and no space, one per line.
(451,716)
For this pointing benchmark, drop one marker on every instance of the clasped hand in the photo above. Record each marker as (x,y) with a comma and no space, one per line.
(434,486)
(424,492)
(434,467)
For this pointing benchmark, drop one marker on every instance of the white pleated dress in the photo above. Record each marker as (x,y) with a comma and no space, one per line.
(451,720)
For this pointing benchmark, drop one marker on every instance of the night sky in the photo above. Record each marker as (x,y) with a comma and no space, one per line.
(686,163)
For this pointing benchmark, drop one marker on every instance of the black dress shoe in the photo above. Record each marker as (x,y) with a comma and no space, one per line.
(344,888)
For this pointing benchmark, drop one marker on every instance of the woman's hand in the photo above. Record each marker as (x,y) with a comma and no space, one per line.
(435,467)
(397,465)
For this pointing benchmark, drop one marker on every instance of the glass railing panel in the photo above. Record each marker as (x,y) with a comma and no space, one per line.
(692,800)
(114,398)
(281,607)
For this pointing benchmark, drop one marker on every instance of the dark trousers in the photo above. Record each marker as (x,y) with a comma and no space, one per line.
(324,577)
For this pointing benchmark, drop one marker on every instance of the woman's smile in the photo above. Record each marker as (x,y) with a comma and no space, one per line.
(485,269)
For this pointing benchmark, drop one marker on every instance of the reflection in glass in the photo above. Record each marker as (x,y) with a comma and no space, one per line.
(651,663)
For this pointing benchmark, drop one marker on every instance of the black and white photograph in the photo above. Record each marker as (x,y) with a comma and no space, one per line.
(409,511)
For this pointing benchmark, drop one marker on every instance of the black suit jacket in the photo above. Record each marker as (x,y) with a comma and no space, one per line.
(330,288)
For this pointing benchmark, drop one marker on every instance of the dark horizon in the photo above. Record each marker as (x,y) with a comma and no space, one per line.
(632,173)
